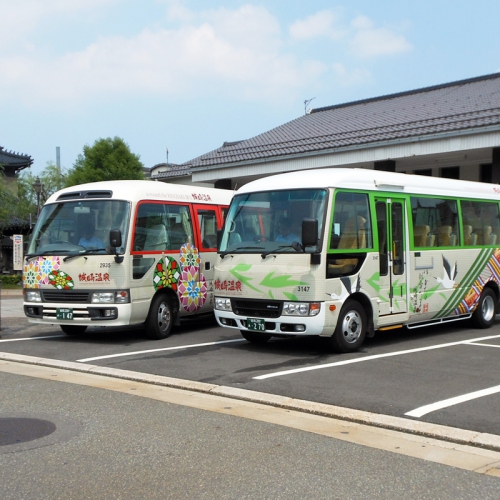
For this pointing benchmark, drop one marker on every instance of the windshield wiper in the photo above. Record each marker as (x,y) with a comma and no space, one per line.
(223,254)
(295,245)
(85,252)
(29,256)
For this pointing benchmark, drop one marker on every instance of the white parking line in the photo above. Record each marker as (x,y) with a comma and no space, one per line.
(423,410)
(33,338)
(370,358)
(158,350)
(484,345)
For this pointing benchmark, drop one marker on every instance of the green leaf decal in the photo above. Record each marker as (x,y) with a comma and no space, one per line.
(241,268)
(374,281)
(290,296)
(280,281)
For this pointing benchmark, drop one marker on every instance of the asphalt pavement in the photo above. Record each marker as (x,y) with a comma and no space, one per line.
(81,434)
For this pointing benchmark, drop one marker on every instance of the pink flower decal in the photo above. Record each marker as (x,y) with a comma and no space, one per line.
(192,289)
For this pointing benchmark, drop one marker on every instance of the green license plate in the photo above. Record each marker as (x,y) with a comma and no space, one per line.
(63,313)
(256,324)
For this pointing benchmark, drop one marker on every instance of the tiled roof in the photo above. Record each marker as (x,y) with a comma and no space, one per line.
(173,171)
(453,107)
(16,160)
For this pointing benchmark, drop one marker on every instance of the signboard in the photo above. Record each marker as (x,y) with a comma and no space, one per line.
(17,258)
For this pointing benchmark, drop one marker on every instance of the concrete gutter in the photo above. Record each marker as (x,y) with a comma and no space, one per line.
(424,429)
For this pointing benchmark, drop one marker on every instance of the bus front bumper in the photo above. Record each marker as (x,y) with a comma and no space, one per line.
(281,326)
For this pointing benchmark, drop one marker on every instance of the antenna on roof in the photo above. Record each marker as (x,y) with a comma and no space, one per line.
(306,103)
(167,154)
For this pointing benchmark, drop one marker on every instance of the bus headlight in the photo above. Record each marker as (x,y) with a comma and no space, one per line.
(117,297)
(301,308)
(223,304)
(32,296)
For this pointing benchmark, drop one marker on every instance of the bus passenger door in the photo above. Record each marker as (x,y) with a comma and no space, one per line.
(392,255)
(208,220)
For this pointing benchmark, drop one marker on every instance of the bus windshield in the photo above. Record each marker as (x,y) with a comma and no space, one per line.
(271,221)
(75,227)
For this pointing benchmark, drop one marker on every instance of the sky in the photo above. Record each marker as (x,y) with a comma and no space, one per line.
(175,79)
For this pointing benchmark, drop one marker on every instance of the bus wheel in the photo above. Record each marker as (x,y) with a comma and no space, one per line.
(484,315)
(73,329)
(350,332)
(255,338)
(160,318)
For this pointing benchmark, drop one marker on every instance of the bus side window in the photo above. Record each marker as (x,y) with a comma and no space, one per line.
(208,227)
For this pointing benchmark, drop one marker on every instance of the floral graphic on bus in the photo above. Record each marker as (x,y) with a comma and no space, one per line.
(36,272)
(61,280)
(31,274)
(189,256)
(192,288)
(47,265)
(184,277)
(167,274)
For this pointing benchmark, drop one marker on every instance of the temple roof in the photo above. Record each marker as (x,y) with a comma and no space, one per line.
(14,162)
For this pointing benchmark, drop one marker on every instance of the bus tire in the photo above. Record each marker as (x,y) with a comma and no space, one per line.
(73,329)
(484,315)
(255,338)
(160,318)
(350,332)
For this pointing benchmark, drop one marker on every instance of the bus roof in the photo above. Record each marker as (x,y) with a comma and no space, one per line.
(143,190)
(373,180)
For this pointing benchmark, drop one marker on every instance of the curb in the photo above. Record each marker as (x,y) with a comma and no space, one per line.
(11,293)
(434,431)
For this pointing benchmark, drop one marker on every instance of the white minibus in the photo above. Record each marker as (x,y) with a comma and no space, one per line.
(123,252)
(341,253)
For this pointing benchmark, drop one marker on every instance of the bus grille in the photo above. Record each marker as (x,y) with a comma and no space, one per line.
(257,308)
(64,296)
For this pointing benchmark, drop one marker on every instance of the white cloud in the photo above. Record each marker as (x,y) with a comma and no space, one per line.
(21,17)
(349,77)
(369,41)
(237,51)
(240,53)
(317,25)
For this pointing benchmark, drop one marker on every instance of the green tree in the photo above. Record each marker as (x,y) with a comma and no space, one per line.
(51,179)
(108,159)
(7,199)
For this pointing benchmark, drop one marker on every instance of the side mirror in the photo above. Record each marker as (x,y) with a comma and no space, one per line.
(115,241)
(309,232)
(115,238)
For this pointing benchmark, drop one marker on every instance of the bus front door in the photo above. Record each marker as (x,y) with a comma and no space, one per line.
(392,255)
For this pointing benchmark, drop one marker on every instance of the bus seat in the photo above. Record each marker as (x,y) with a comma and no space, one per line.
(467,228)
(178,235)
(353,236)
(210,241)
(420,236)
(156,238)
(473,239)
(493,239)
(234,238)
(444,233)
(483,235)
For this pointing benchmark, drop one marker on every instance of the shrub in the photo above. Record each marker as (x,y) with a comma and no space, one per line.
(11,279)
